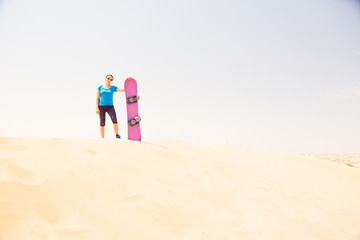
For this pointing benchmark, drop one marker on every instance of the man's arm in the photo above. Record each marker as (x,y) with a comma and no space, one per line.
(97,102)
(120,89)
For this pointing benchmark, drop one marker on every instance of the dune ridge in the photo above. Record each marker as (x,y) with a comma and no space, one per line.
(170,189)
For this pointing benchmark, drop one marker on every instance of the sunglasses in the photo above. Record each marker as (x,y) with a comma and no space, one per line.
(110,79)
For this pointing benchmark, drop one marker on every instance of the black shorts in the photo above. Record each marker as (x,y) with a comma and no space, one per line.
(110,110)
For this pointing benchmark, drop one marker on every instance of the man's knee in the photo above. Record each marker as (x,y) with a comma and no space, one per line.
(113,119)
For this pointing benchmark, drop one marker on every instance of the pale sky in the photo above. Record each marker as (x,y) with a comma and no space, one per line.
(277,75)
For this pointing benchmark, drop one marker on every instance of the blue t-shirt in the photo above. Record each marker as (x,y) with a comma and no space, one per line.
(106,95)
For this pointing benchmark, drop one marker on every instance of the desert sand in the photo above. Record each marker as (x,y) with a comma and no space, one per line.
(351,160)
(67,189)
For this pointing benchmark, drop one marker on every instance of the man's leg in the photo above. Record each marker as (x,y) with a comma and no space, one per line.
(102,121)
(116,128)
(112,113)
(102,131)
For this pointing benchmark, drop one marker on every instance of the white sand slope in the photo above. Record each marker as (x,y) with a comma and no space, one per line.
(67,189)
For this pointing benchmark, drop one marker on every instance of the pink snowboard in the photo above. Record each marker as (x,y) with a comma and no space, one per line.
(132,109)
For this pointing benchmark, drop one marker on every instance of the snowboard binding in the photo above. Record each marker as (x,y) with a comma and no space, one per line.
(132,99)
(134,121)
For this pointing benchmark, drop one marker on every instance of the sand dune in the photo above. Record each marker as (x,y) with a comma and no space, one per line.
(351,160)
(170,189)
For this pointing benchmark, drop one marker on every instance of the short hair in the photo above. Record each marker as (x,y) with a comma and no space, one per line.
(109,75)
